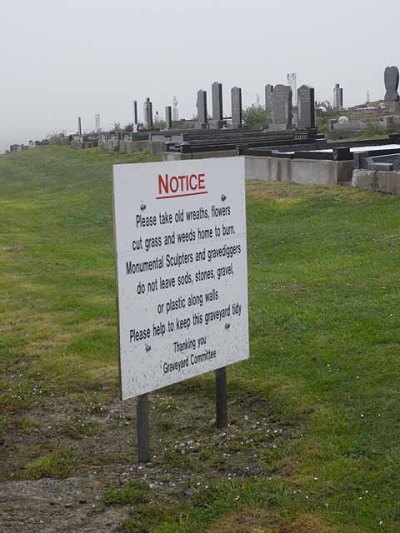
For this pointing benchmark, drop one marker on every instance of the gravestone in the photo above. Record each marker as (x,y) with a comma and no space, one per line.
(168,117)
(217,109)
(135,114)
(306,107)
(282,110)
(236,99)
(79,126)
(269,89)
(337,97)
(202,118)
(391,84)
(148,113)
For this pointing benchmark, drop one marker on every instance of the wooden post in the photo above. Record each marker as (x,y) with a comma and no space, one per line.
(220,396)
(143,428)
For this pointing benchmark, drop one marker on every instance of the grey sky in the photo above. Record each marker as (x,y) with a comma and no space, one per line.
(64,58)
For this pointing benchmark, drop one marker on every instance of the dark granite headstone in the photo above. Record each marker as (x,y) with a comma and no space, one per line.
(168,117)
(282,110)
(269,89)
(202,118)
(306,107)
(391,84)
(148,113)
(135,114)
(217,109)
(236,98)
(79,126)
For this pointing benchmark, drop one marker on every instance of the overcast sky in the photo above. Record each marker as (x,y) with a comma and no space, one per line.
(64,58)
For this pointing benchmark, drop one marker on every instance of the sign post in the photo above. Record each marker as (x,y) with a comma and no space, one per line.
(221,419)
(143,428)
(181,256)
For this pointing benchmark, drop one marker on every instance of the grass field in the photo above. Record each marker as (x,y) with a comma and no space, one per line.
(314,444)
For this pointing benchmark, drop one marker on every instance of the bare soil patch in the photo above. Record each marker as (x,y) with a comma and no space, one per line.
(63,454)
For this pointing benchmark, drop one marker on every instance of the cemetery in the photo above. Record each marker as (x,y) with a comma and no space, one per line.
(289,149)
(199,267)
(312,414)
(186,353)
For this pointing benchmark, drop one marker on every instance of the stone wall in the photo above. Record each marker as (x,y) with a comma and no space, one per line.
(303,171)
(80,145)
(155,148)
(354,127)
(377,180)
(178,156)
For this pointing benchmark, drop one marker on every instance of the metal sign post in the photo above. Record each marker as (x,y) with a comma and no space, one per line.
(143,428)
(221,400)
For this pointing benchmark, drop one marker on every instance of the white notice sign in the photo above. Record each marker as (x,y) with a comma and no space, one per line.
(180,231)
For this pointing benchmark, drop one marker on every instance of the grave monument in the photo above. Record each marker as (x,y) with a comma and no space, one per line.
(135,115)
(148,113)
(202,119)
(392,85)
(236,100)
(269,89)
(305,107)
(217,108)
(282,109)
(168,117)
(337,97)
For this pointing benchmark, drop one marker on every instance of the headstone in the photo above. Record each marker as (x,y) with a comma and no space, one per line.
(236,98)
(282,111)
(148,113)
(306,107)
(269,89)
(337,97)
(97,122)
(135,114)
(79,126)
(168,117)
(391,84)
(292,82)
(202,118)
(217,109)
(175,111)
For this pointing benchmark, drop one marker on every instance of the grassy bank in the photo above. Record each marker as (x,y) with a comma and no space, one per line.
(314,444)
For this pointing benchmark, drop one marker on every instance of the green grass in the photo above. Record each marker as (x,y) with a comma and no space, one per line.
(324,328)
(56,265)
(132,493)
(58,465)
